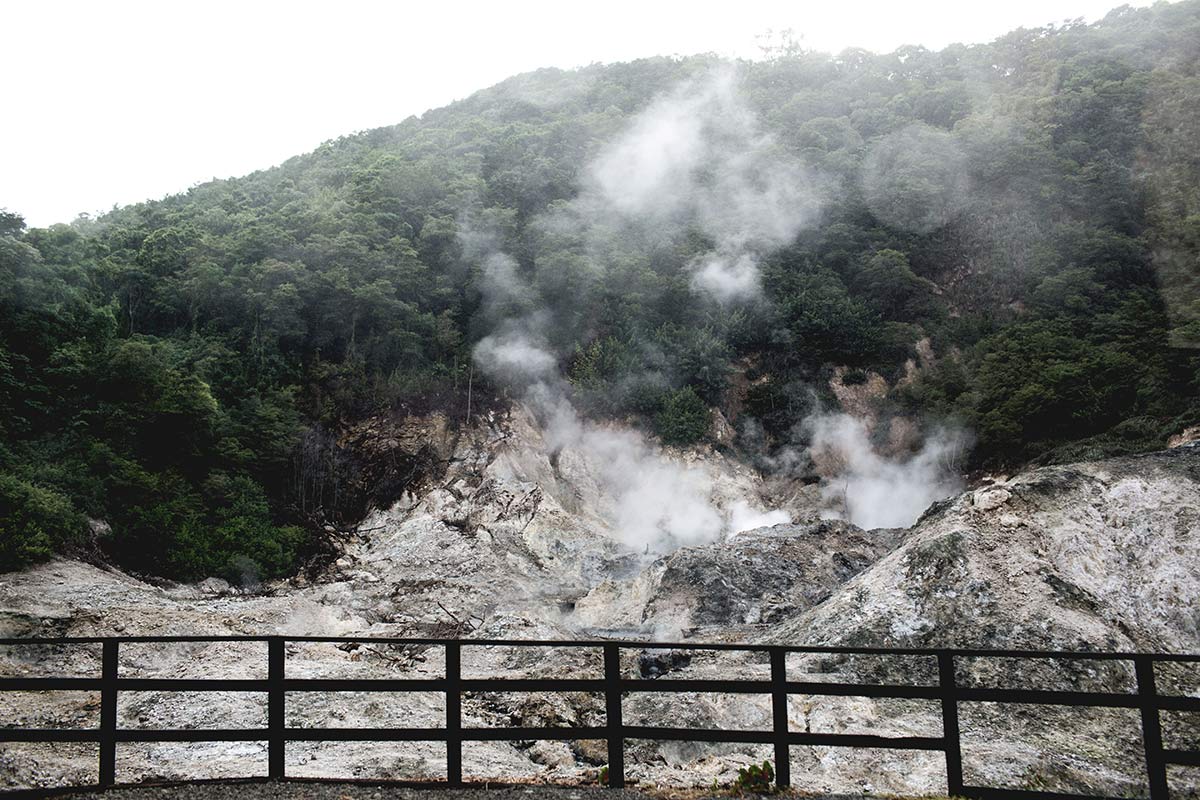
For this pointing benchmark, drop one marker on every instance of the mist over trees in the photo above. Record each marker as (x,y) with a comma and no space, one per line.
(181,369)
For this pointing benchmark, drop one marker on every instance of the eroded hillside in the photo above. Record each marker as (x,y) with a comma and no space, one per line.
(513,538)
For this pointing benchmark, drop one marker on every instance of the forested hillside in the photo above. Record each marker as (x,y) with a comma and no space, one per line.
(182,369)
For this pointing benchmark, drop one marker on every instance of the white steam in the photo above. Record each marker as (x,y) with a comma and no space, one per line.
(872,491)
(695,166)
(697,158)
(727,279)
(694,162)
(744,517)
(655,504)
(916,179)
(514,357)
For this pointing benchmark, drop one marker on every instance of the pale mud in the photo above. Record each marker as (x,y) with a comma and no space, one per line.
(512,543)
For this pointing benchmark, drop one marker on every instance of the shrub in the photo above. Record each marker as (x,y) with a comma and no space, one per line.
(684,418)
(854,377)
(755,779)
(34,523)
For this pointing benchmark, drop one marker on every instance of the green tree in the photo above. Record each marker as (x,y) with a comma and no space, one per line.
(34,523)
(684,419)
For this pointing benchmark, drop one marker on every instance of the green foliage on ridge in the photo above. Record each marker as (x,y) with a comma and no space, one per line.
(181,368)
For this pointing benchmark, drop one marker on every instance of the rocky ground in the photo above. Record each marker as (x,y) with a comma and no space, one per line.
(344,791)
(514,539)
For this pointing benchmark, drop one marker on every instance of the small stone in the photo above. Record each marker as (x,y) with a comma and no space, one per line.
(552,754)
(215,586)
(990,498)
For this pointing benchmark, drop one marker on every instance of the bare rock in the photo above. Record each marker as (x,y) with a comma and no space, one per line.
(1186,436)
(762,576)
(552,754)
(721,432)
(215,587)
(990,498)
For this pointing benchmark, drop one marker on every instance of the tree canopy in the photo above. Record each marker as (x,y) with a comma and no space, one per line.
(181,369)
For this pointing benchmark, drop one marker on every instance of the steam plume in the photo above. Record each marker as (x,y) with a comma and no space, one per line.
(694,161)
(697,159)
(654,503)
(872,491)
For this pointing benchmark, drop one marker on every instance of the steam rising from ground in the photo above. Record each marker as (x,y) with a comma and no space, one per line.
(695,161)
(727,279)
(872,491)
(655,504)
(697,157)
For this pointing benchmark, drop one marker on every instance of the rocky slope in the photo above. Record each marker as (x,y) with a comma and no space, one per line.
(1093,556)
(511,537)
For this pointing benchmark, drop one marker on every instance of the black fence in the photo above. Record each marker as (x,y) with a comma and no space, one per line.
(612,685)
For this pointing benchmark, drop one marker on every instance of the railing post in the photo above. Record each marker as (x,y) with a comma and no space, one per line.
(108,713)
(454,714)
(950,733)
(779,714)
(1156,767)
(612,716)
(275,707)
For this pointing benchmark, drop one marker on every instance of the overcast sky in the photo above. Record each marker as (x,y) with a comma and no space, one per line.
(116,102)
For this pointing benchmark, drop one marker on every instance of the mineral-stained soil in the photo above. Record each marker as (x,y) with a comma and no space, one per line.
(266,790)
(514,540)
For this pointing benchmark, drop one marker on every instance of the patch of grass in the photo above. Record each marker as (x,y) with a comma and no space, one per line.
(755,780)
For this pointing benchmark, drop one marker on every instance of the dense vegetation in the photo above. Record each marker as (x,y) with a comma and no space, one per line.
(182,369)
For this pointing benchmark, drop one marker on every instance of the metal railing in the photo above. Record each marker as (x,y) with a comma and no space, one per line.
(612,685)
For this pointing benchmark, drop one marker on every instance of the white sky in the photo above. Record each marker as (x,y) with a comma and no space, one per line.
(116,102)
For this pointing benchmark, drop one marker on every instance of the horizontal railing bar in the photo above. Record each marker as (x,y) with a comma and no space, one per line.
(651,685)
(989,793)
(794,738)
(1174,702)
(1048,697)
(439,734)
(632,644)
(57,640)
(1182,758)
(867,740)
